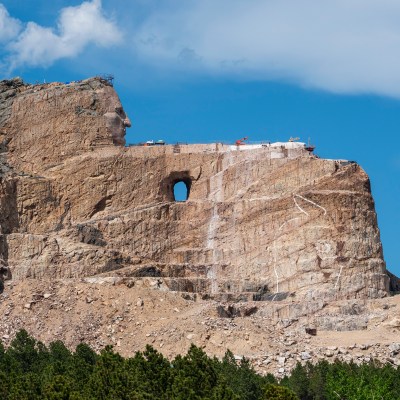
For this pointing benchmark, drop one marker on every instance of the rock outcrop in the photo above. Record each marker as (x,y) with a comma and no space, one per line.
(265,223)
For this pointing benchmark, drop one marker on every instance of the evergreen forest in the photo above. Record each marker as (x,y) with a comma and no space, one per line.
(31,370)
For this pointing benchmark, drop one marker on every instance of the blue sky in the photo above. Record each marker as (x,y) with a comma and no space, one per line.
(201,71)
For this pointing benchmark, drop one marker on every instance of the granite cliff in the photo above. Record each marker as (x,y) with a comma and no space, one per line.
(266,229)
(263,220)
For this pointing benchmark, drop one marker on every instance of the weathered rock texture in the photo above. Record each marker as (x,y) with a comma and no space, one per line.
(261,222)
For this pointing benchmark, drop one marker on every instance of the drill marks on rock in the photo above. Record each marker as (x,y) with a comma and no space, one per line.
(275,261)
(278,234)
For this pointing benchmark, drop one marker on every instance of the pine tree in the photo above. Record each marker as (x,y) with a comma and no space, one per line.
(275,392)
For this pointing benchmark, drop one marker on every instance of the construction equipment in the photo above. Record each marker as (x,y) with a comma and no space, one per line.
(153,143)
(241,142)
(294,139)
(310,147)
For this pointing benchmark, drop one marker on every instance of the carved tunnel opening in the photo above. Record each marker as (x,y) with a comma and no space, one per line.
(176,186)
(181,190)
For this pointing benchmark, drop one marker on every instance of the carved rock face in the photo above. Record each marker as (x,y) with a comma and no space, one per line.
(116,119)
(45,124)
(268,223)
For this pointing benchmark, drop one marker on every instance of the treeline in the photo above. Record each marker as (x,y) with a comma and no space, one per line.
(31,370)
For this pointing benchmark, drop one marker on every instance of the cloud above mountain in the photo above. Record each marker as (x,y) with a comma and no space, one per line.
(76,28)
(9,27)
(341,46)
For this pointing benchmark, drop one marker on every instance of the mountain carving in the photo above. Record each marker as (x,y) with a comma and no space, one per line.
(271,243)
(261,222)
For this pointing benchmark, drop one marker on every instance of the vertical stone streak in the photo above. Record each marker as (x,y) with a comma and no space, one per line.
(338,278)
(216,196)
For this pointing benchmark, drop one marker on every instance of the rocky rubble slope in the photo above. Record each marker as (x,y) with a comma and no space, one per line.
(129,317)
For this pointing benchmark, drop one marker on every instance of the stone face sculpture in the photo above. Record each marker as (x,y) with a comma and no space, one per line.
(266,222)
(116,119)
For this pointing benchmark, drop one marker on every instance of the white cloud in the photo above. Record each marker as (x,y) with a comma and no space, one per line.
(344,46)
(9,27)
(348,46)
(77,27)
(88,24)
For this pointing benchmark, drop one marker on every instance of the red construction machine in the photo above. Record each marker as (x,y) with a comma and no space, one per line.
(241,142)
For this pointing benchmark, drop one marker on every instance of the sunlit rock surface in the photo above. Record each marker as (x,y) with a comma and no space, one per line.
(266,222)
